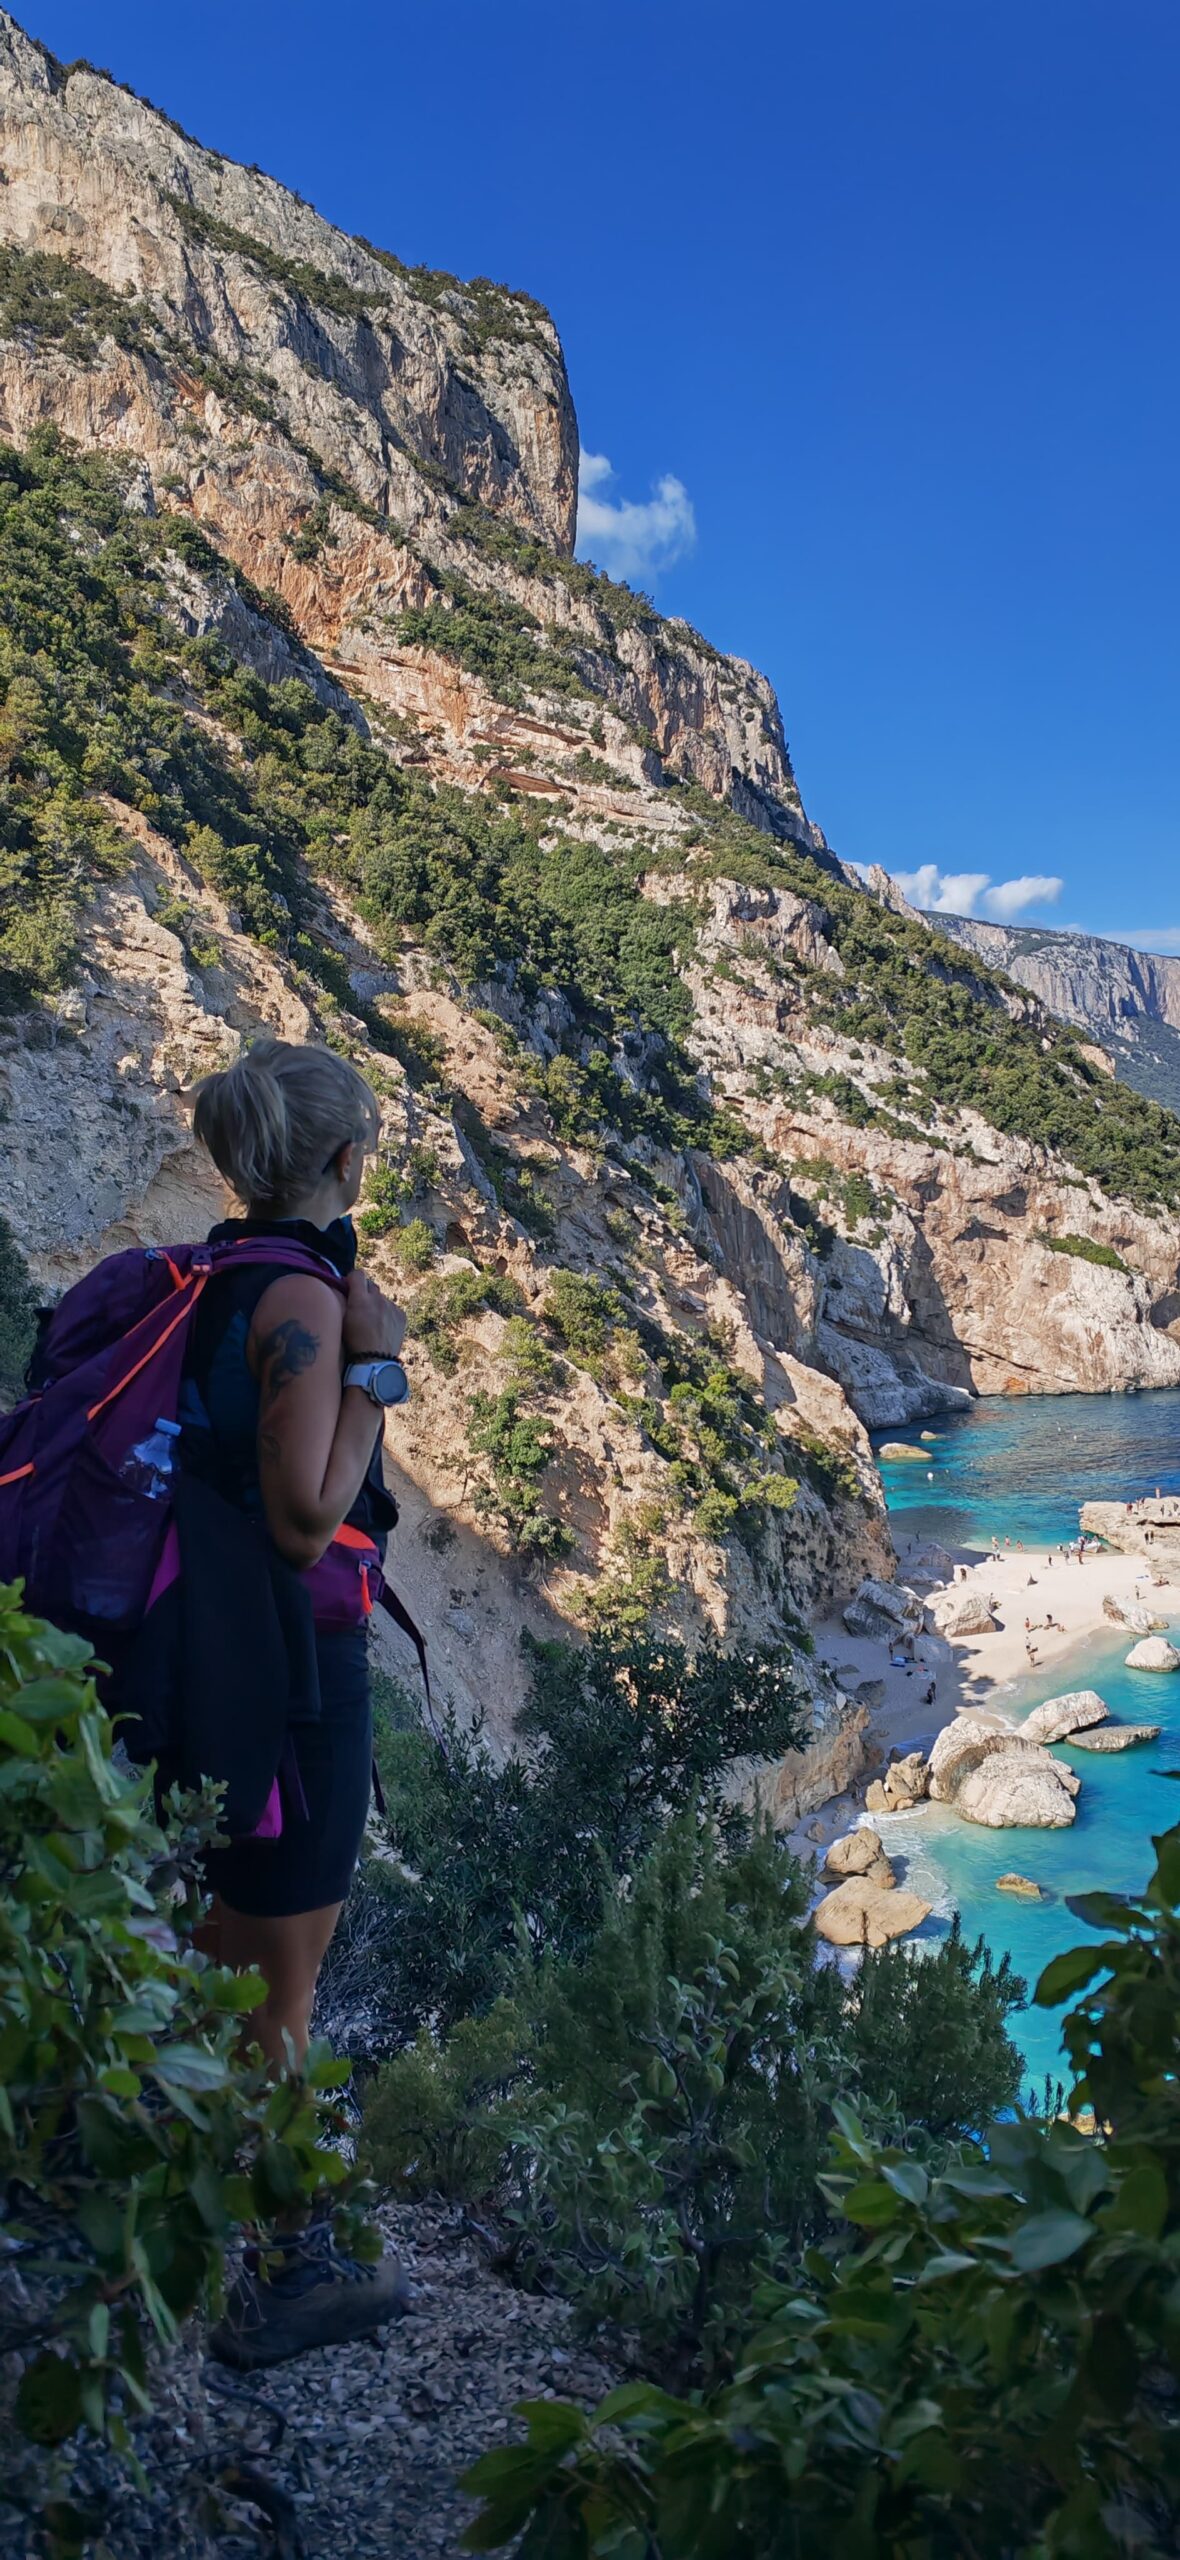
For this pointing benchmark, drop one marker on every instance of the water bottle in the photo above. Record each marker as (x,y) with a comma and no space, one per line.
(150,1466)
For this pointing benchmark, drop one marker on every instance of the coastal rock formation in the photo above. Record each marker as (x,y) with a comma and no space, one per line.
(883,1609)
(930,1567)
(964,1613)
(905,1784)
(826,1765)
(1022,1885)
(1153,1653)
(1116,1737)
(1129,1613)
(860,1853)
(1150,1529)
(992,1775)
(900,1449)
(859,1913)
(1017,1790)
(1057,1717)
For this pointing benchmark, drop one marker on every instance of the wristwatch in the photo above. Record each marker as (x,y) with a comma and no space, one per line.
(384,1381)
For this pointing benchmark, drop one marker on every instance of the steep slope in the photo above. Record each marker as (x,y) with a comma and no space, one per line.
(1128,1001)
(696,1158)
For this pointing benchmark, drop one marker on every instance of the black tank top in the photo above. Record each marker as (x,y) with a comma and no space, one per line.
(218,1407)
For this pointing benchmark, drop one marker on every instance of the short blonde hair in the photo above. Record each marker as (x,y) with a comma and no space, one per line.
(274,1120)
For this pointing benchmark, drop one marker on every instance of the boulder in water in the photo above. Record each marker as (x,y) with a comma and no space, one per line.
(991,1774)
(899,1449)
(1153,1653)
(1061,1716)
(905,1784)
(1022,1885)
(859,1913)
(1116,1737)
(860,1854)
(1018,1790)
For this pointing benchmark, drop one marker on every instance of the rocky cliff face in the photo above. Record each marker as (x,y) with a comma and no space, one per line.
(1128,1001)
(688,1168)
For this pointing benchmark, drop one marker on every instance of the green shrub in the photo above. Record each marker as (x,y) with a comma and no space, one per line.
(990,2368)
(614,1738)
(1084,1249)
(450,1301)
(661,2102)
(518,1448)
(134,2137)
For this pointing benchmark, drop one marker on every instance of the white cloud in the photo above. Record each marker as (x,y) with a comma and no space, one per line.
(945,893)
(967,893)
(1010,897)
(628,539)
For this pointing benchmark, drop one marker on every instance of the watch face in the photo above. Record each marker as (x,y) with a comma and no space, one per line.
(390,1382)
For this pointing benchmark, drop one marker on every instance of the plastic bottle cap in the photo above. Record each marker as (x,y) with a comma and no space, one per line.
(172,1428)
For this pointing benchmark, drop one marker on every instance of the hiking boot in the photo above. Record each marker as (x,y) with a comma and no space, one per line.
(315,2296)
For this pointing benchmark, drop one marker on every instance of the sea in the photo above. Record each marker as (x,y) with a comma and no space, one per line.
(1018,1468)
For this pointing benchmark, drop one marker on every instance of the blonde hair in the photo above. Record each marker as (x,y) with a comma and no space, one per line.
(274,1120)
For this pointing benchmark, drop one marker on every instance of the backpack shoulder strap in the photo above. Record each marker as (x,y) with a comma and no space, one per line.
(272,1252)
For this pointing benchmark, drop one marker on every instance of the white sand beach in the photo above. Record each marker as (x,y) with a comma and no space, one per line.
(980,1674)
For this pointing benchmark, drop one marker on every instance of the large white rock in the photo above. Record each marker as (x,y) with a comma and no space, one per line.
(901,1449)
(963,1613)
(1071,1713)
(859,1914)
(992,1775)
(883,1609)
(931,1566)
(1018,1790)
(860,1853)
(1129,1613)
(1116,1737)
(904,1785)
(1154,1653)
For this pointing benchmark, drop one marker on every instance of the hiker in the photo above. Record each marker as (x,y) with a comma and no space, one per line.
(193,1483)
(284,1399)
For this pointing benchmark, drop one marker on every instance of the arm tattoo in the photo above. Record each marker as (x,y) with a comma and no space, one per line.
(284,1354)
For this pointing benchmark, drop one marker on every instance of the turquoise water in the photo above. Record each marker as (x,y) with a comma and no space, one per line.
(1020,1468)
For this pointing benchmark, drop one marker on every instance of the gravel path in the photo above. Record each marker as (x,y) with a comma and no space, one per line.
(356,2449)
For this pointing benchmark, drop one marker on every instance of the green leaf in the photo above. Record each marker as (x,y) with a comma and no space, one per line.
(190,2066)
(1141,2202)
(1048,2238)
(907,2178)
(49,2400)
(553,2425)
(1066,1974)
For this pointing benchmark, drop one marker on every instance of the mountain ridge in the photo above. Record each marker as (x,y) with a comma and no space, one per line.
(1126,1000)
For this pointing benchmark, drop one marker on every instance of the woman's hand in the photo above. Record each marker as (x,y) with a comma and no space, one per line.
(374,1329)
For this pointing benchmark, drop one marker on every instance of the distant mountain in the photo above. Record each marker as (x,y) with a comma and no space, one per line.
(1128,1001)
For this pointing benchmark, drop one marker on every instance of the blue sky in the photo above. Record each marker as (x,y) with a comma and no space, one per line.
(869,308)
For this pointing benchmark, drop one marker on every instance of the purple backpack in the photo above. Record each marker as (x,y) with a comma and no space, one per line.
(91,1548)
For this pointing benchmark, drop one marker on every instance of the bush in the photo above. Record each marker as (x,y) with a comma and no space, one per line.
(450,1301)
(1084,1249)
(134,2137)
(990,2368)
(496,1854)
(657,2116)
(518,1448)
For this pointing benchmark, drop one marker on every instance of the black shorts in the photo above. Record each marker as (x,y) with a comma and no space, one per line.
(311,1863)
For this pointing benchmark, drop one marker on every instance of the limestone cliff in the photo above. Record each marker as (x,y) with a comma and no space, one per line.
(1128,1001)
(696,1159)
